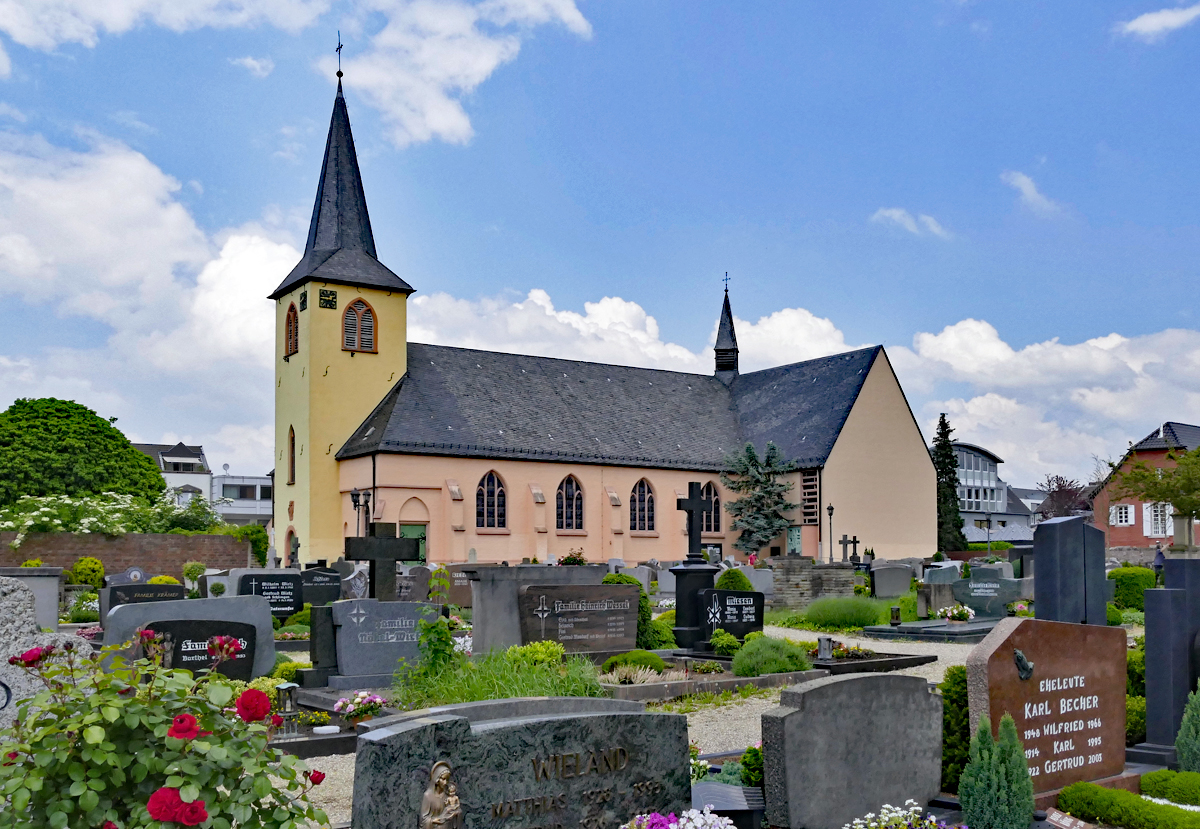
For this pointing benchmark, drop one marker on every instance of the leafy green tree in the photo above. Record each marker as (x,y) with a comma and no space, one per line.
(945,462)
(1178,486)
(995,789)
(759,512)
(58,447)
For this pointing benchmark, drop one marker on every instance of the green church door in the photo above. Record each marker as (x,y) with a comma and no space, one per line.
(416,531)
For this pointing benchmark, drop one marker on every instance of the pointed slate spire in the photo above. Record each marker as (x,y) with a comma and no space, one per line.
(726,348)
(340,246)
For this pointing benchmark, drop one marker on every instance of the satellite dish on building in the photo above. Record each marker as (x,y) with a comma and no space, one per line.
(226,468)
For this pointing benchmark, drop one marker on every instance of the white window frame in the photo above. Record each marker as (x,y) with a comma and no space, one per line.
(1156,520)
(1121,515)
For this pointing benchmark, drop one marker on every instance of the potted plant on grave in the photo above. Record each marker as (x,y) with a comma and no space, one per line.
(361,707)
(958,614)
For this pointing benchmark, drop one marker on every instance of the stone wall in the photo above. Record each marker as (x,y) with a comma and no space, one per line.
(157,553)
(1140,556)
(801,581)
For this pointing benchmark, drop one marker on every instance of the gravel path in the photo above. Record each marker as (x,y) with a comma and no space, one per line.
(948,654)
(336,792)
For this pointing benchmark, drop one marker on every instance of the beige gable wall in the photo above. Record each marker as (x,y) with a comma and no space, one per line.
(879,476)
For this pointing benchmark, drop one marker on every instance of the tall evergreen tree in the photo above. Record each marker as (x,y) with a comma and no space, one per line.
(759,512)
(945,462)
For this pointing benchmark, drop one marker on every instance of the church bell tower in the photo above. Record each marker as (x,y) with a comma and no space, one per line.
(340,345)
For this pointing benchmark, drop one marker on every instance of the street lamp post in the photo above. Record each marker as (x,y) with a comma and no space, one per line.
(829,509)
(355,498)
(989,532)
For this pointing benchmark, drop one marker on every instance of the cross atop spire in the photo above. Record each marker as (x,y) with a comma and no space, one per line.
(726,348)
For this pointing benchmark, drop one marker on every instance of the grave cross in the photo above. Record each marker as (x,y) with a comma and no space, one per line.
(845,542)
(693,505)
(383,554)
(854,549)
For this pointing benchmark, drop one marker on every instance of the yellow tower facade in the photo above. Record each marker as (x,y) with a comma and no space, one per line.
(340,345)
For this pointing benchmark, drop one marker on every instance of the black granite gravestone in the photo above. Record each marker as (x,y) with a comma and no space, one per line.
(734,611)
(694,574)
(1070,585)
(187,645)
(413,584)
(988,596)
(321,585)
(383,554)
(283,590)
(134,592)
(133,575)
(582,617)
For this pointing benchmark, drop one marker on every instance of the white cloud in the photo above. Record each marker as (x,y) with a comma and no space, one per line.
(10,111)
(1153,26)
(258,67)
(918,226)
(429,54)
(129,118)
(1031,197)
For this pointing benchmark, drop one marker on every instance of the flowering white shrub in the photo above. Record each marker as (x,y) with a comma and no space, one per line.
(666,604)
(691,819)
(957,612)
(464,644)
(893,817)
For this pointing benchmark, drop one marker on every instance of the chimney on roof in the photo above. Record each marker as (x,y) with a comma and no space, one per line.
(726,349)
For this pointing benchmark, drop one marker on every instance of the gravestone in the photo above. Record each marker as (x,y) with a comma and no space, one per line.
(763,579)
(282,588)
(1064,685)
(20,631)
(134,592)
(837,748)
(695,573)
(643,574)
(186,643)
(45,583)
(522,763)
(917,565)
(412,584)
(372,637)
(193,621)
(735,611)
(891,580)
(495,615)
(933,597)
(213,578)
(320,585)
(941,575)
(615,565)
(1071,585)
(382,554)
(997,569)
(666,583)
(460,584)
(596,617)
(988,596)
(133,575)
(357,585)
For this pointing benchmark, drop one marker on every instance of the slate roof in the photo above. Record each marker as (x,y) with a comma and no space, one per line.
(1170,435)
(468,403)
(157,451)
(341,246)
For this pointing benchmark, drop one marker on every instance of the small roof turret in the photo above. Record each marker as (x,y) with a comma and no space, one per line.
(726,348)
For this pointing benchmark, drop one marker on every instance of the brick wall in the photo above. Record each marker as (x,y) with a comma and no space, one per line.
(159,554)
(799,581)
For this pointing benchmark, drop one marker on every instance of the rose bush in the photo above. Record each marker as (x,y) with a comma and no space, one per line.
(135,744)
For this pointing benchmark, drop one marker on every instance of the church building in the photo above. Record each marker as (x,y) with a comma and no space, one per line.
(495,457)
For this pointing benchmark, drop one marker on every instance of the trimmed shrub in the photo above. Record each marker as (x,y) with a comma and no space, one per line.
(302,617)
(668,618)
(216,589)
(1112,615)
(660,635)
(89,570)
(956,727)
(995,789)
(1135,721)
(293,629)
(842,612)
(32,562)
(643,623)
(731,774)
(193,570)
(733,579)
(981,546)
(724,644)
(276,622)
(752,635)
(637,658)
(1175,786)
(1132,583)
(287,671)
(536,653)
(162,580)
(1187,741)
(752,767)
(770,656)
(1135,673)
(1117,807)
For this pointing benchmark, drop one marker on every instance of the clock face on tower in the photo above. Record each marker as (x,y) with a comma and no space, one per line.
(328,299)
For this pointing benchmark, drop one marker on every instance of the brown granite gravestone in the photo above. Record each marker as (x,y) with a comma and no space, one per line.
(460,584)
(1064,685)
(583,617)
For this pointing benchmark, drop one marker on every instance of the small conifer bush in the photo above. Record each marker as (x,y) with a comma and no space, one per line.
(956,728)
(995,789)
(733,579)
(1187,741)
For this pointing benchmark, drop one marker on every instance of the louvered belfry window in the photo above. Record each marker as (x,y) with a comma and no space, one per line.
(711,519)
(641,507)
(490,503)
(358,327)
(291,336)
(569,505)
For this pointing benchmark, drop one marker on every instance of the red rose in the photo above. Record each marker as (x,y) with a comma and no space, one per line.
(146,636)
(276,720)
(108,824)
(191,814)
(184,727)
(316,777)
(164,804)
(31,657)
(253,705)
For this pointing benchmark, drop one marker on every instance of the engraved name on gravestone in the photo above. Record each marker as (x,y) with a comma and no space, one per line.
(1064,685)
(460,584)
(282,588)
(133,592)
(582,617)
(321,585)
(372,636)
(412,583)
(186,641)
(987,594)
(734,611)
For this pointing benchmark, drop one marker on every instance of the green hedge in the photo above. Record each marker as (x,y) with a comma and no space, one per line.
(1112,615)
(1175,786)
(1132,583)
(645,638)
(1135,673)
(638,658)
(842,612)
(766,655)
(1135,720)
(1117,807)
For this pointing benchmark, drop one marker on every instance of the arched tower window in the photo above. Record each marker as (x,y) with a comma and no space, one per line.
(358,327)
(641,506)
(711,519)
(490,505)
(291,332)
(291,455)
(569,504)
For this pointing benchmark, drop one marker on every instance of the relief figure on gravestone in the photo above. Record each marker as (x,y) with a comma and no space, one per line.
(1024,666)
(440,806)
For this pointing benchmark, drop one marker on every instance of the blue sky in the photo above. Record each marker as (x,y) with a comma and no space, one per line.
(1002,194)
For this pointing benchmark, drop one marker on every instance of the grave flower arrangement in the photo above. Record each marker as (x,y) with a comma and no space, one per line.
(131,743)
(361,706)
(893,817)
(843,651)
(691,819)
(957,613)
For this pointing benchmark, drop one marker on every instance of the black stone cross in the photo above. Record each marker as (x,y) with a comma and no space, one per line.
(693,505)
(383,553)
(854,541)
(845,542)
